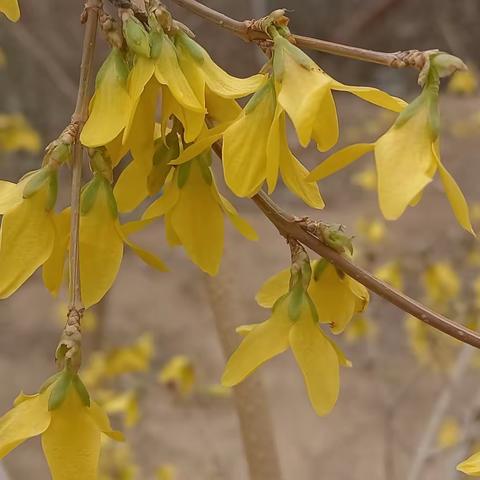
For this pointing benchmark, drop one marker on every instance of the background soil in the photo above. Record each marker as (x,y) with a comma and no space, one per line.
(362,438)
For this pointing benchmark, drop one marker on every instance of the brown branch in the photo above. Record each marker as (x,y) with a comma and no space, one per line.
(408,58)
(297,228)
(70,343)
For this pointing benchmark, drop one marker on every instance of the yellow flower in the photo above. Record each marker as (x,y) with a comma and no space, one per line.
(179,373)
(450,433)
(293,324)
(69,423)
(366,179)
(166,472)
(17,134)
(463,82)
(111,104)
(407,158)
(27,233)
(441,282)
(11,9)
(391,273)
(336,297)
(360,328)
(102,240)
(373,230)
(125,403)
(194,213)
(255,150)
(304,91)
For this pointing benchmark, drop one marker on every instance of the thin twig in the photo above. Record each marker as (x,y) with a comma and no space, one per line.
(439,411)
(298,228)
(408,58)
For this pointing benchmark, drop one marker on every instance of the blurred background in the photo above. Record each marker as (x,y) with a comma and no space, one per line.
(412,397)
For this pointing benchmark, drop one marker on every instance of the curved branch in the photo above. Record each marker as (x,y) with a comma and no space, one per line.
(297,228)
(408,58)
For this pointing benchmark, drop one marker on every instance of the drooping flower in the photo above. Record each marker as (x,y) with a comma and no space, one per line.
(179,374)
(407,158)
(11,9)
(69,423)
(255,150)
(16,133)
(102,241)
(27,233)
(194,213)
(293,323)
(304,91)
(111,104)
(337,297)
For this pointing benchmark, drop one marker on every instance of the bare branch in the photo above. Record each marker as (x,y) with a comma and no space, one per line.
(408,58)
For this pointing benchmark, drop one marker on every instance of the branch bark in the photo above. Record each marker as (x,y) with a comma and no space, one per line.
(408,58)
(297,228)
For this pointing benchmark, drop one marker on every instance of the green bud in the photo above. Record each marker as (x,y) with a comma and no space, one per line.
(101,163)
(136,36)
(298,55)
(89,194)
(156,43)
(52,190)
(81,390)
(193,48)
(60,390)
(204,161)
(446,64)
(267,89)
(112,202)
(37,181)
(183,174)
(295,301)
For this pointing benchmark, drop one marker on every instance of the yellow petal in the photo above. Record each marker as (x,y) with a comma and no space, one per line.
(294,174)
(404,158)
(11,194)
(163,204)
(245,145)
(275,287)
(471,466)
(28,418)
(325,128)
(26,241)
(221,110)
(131,188)
(333,298)
(275,143)
(373,95)
(198,222)
(53,268)
(168,72)
(339,160)
(264,342)
(110,106)
(238,222)
(72,441)
(301,93)
(11,9)
(116,150)
(455,196)
(101,250)
(318,362)
(100,418)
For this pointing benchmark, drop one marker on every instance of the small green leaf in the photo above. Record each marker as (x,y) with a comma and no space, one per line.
(81,390)
(183,174)
(60,390)
(204,161)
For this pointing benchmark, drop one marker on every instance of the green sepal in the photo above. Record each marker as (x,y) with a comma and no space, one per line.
(166,150)
(204,162)
(111,201)
(38,181)
(295,301)
(278,63)
(115,60)
(52,190)
(193,48)
(298,55)
(319,268)
(156,43)
(89,194)
(60,390)
(81,390)
(61,153)
(136,37)
(50,381)
(183,174)
(267,89)
(313,308)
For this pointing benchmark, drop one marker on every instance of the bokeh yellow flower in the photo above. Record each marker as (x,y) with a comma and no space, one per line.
(10,9)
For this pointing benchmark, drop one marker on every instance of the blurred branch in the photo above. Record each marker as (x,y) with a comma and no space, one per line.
(439,411)
(44,58)
(250,398)
(408,58)
(301,230)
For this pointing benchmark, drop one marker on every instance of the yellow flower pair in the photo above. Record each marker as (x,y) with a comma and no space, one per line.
(255,146)
(69,423)
(299,304)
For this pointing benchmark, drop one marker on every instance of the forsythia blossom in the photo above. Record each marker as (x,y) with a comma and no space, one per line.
(68,421)
(11,9)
